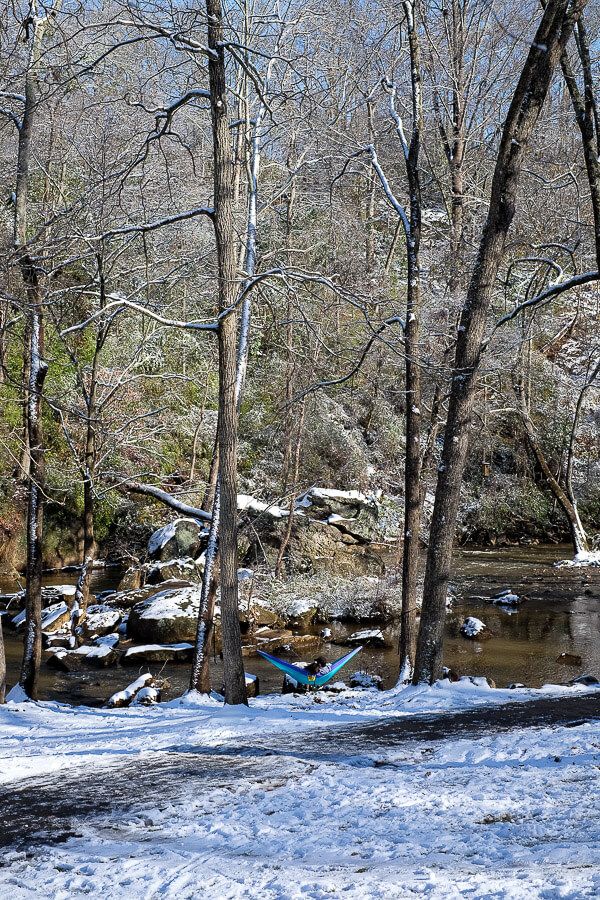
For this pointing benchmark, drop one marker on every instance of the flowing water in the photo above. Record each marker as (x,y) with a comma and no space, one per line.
(561,615)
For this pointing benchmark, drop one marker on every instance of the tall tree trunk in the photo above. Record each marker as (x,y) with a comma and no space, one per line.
(413,495)
(32,652)
(551,38)
(200,676)
(2,666)
(586,114)
(34,370)
(235,683)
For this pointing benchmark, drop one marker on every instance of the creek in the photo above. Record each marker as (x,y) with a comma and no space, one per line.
(560,616)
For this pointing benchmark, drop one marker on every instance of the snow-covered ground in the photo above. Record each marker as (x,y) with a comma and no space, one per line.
(508,815)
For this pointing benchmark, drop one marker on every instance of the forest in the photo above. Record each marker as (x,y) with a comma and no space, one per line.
(252,249)
(300,449)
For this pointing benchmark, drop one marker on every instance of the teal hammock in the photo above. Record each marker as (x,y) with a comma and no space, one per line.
(301,676)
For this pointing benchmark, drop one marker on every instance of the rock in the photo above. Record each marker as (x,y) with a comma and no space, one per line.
(52,640)
(108,640)
(372,637)
(124,698)
(168,617)
(183,569)
(100,619)
(128,599)
(262,615)
(252,685)
(450,674)
(365,681)
(266,635)
(300,613)
(508,598)
(473,629)
(569,659)
(151,653)
(131,580)
(587,680)
(53,617)
(351,512)
(290,685)
(315,546)
(272,640)
(88,656)
(147,696)
(297,643)
(180,538)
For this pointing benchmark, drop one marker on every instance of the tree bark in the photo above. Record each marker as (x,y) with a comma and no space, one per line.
(413,495)
(551,38)
(32,643)
(2,666)
(223,175)
(586,114)
(200,676)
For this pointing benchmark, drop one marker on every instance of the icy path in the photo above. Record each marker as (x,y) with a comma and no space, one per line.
(388,809)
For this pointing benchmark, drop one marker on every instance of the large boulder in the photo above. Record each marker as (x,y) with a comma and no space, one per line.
(97,656)
(351,512)
(100,619)
(128,599)
(168,617)
(180,538)
(318,547)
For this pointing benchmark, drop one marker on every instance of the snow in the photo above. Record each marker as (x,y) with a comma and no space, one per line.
(581,560)
(507,598)
(125,696)
(510,815)
(148,648)
(471,627)
(331,494)
(247,503)
(49,615)
(100,617)
(161,537)
(172,603)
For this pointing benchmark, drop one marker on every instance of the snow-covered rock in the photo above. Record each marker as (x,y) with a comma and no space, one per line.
(473,628)
(247,503)
(124,697)
(158,653)
(180,538)
(372,637)
(147,696)
(508,598)
(53,617)
(100,619)
(168,617)
(185,568)
(96,656)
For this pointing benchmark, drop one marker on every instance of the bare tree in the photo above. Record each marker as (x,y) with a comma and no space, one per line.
(550,41)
